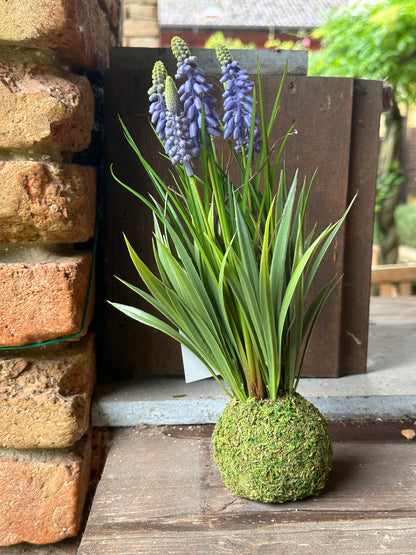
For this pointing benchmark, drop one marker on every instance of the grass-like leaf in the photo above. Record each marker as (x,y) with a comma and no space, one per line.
(234,263)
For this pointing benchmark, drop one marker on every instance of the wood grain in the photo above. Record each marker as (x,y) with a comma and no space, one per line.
(161,493)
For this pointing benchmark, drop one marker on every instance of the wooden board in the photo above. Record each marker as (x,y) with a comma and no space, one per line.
(161,493)
(272,62)
(356,283)
(337,133)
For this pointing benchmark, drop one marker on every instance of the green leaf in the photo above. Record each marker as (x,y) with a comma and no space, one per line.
(278,266)
(267,309)
(233,264)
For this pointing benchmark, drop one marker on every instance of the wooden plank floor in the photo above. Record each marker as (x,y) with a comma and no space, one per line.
(161,493)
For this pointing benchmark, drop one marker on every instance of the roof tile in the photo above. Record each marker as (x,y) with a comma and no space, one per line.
(282,14)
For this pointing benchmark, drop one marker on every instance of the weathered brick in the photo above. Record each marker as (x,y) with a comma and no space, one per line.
(141,12)
(41,301)
(43,107)
(45,394)
(46,202)
(133,28)
(112,10)
(77,29)
(140,2)
(144,42)
(42,493)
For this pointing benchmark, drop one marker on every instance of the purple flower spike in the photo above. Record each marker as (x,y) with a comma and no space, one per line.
(179,144)
(157,98)
(238,103)
(194,93)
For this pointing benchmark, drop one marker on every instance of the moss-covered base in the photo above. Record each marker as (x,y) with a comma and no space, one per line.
(273,451)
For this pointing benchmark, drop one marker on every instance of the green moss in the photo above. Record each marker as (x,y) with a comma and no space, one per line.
(273,451)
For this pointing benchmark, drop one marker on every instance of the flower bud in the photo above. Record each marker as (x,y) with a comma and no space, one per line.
(159,74)
(171,96)
(223,55)
(180,49)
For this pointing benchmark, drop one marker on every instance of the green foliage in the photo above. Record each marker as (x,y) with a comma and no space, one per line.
(372,41)
(388,183)
(235,264)
(218,38)
(301,43)
(277,44)
(405,216)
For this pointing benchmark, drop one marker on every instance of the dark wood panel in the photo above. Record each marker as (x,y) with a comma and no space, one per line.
(271,61)
(336,134)
(129,348)
(368,101)
(322,109)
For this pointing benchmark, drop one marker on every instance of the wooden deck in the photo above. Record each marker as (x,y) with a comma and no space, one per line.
(161,493)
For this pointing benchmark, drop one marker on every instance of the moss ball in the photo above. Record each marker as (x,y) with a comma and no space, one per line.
(273,450)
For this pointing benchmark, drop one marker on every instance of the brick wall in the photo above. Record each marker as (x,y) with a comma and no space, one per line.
(140,24)
(47,204)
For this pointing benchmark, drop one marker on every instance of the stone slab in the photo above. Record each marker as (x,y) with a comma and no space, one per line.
(171,401)
(386,391)
(46,202)
(43,295)
(45,394)
(42,106)
(42,493)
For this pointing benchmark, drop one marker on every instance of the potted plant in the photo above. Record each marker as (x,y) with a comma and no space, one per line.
(235,266)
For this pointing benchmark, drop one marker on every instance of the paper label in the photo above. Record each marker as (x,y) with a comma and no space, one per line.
(194,368)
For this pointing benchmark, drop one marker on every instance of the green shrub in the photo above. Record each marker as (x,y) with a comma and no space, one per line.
(405,216)
(218,38)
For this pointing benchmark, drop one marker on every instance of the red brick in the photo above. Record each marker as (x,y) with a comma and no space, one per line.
(46,202)
(42,493)
(112,9)
(141,12)
(77,29)
(40,301)
(45,394)
(140,2)
(144,42)
(43,107)
(143,28)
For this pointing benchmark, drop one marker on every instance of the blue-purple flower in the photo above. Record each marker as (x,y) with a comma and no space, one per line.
(238,103)
(194,93)
(179,144)
(157,98)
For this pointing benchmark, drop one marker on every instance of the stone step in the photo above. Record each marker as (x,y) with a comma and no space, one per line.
(386,391)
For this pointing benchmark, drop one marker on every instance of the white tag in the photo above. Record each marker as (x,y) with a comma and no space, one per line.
(194,368)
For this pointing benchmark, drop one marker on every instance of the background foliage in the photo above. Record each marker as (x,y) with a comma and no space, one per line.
(376,40)
(218,38)
(372,41)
